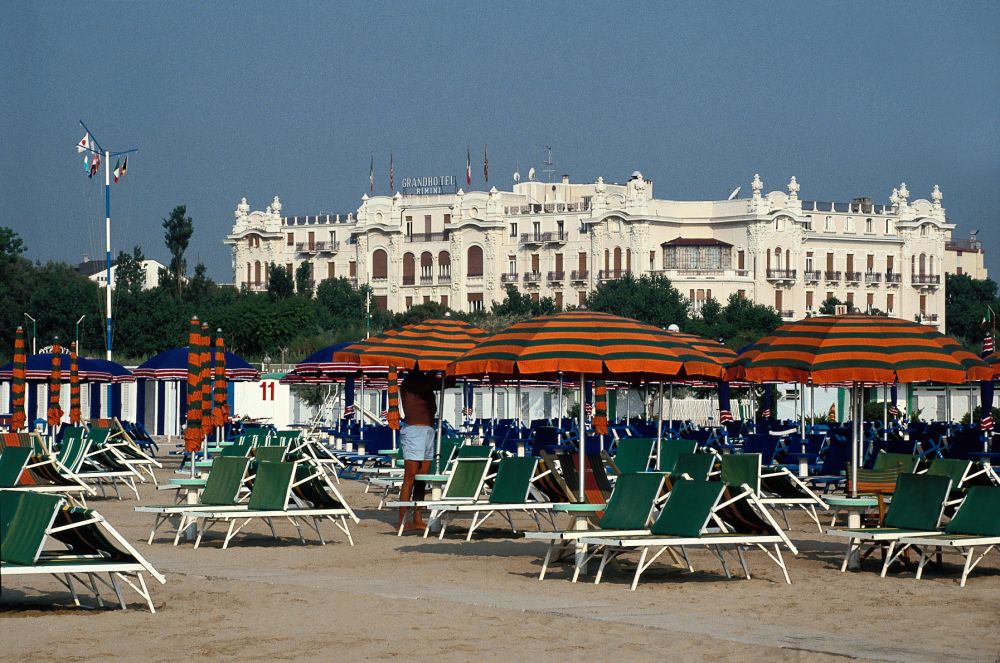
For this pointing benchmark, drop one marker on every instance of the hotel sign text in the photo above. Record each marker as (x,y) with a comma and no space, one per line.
(428,186)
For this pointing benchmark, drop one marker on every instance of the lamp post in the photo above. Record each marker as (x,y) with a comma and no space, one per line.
(78,352)
(34,334)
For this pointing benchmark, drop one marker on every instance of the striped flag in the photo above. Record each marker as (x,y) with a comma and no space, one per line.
(486,163)
(392,174)
(371,176)
(468,166)
(725,416)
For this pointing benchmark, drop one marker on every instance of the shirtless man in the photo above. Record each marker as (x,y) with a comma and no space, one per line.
(416,438)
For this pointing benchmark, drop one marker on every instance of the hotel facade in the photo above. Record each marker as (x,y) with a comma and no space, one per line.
(435,242)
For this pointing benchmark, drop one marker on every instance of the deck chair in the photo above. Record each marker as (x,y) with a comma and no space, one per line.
(693,466)
(776,487)
(41,473)
(629,509)
(95,548)
(13,463)
(671,449)
(695,514)
(915,511)
(273,490)
(956,470)
(464,486)
(271,454)
(976,525)
(129,451)
(222,489)
(632,455)
(103,464)
(511,492)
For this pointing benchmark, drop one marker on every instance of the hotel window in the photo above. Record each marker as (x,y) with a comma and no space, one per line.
(409,303)
(290,241)
(829,294)
(331,270)
(923,304)
(849,225)
(889,229)
(652,260)
(427,299)
(828,224)
(697,256)
(513,230)
(581,298)
(741,260)
(869,226)
(923,230)
(809,261)
(289,268)
(534,297)
(742,294)
(380,265)
(809,300)
(807,223)
(444,300)
(409,227)
(352,269)
(474,264)
(447,219)
(558,298)
(888,303)
(512,264)
(871,302)
(475,300)
(381,302)
(850,301)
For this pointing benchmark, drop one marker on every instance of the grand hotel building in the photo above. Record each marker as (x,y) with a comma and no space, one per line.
(562,239)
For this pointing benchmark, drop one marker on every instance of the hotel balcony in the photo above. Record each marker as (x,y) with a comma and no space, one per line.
(873,278)
(925,280)
(327,247)
(444,278)
(928,319)
(811,276)
(428,237)
(532,278)
(578,275)
(306,247)
(892,278)
(531,238)
(508,278)
(426,280)
(831,277)
(556,277)
(852,277)
(781,275)
(609,274)
(557,236)
(787,315)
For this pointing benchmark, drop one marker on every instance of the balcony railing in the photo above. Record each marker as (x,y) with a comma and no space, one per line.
(787,314)
(811,275)
(549,207)
(893,278)
(831,276)
(557,236)
(508,278)
(428,237)
(925,279)
(556,276)
(606,274)
(579,275)
(531,238)
(444,278)
(305,247)
(873,278)
(929,318)
(407,280)
(532,277)
(327,247)
(852,277)
(781,274)
(426,280)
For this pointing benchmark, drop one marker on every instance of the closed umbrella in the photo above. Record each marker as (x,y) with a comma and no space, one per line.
(585,343)
(74,387)
(206,382)
(55,412)
(192,432)
(18,384)
(220,404)
(392,402)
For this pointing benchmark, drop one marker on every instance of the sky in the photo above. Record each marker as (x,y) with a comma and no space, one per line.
(232,99)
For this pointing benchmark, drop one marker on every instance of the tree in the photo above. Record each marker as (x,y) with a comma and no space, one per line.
(340,306)
(737,324)
(303,279)
(651,299)
(129,273)
(11,246)
(829,306)
(967,303)
(279,283)
(201,286)
(418,313)
(179,229)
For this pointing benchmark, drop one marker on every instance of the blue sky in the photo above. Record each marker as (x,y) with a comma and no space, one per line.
(228,99)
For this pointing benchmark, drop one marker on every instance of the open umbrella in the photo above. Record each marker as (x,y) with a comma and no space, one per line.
(192,432)
(857,349)
(74,387)
(18,383)
(55,412)
(587,344)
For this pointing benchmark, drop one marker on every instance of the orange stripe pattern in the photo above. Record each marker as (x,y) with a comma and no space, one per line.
(600,420)
(192,432)
(392,411)
(857,348)
(597,344)
(428,346)
(55,412)
(74,387)
(206,380)
(220,405)
(18,381)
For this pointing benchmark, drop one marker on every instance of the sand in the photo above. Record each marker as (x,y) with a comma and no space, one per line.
(449,600)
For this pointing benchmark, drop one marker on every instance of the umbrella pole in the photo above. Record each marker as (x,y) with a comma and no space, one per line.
(856,441)
(440,426)
(885,413)
(670,411)
(802,414)
(583,436)
(517,401)
(659,427)
(561,410)
(361,411)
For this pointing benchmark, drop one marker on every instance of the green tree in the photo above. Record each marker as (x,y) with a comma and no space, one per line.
(179,229)
(339,305)
(741,322)
(418,313)
(650,298)
(279,283)
(829,306)
(967,302)
(129,274)
(304,279)
(201,286)
(11,246)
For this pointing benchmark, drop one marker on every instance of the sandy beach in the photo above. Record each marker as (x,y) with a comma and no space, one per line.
(449,600)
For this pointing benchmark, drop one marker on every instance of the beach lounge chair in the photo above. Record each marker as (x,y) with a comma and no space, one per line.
(696,466)
(29,520)
(976,525)
(464,486)
(628,510)
(39,472)
(126,447)
(691,509)
(102,464)
(775,487)
(274,487)
(222,489)
(915,511)
(671,450)
(511,492)
(632,455)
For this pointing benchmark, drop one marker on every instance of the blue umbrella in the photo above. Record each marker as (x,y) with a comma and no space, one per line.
(172,365)
(91,370)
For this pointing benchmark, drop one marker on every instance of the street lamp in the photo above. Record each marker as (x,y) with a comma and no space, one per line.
(34,334)
(78,353)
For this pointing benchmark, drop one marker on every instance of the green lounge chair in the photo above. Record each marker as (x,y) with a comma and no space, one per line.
(126,448)
(511,492)
(102,464)
(13,462)
(273,490)
(956,470)
(693,466)
(222,489)
(776,487)
(915,511)
(628,510)
(671,450)
(95,548)
(632,455)
(464,486)
(44,472)
(976,525)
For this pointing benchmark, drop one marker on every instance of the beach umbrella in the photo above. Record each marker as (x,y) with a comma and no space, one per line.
(587,344)
(74,387)
(857,349)
(206,381)
(600,420)
(192,432)
(220,405)
(18,384)
(427,346)
(38,368)
(392,404)
(55,412)
(173,365)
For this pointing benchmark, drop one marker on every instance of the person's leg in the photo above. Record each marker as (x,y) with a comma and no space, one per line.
(420,487)
(411,468)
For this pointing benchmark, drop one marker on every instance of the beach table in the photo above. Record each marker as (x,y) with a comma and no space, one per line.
(854,507)
(579,513)
(190,489)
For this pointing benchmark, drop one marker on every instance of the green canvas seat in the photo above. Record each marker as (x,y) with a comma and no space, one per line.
(902,463)
(776,487)
(916,509)
(464,485)
(273,454)
(693,466)
(671,450)
(13,462)
(94,548)
(632,455)
(628,510)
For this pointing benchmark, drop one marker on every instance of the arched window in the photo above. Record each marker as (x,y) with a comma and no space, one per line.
(628,260)
(249,273)
(607,260)
(474,261)
(778,263)
(618,261)
(380,265)
(923,264)
(444,264)
(256,272)
(426,266)
(408,269)
(931,267)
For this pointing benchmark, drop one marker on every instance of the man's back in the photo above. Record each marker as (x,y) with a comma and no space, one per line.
(417,392)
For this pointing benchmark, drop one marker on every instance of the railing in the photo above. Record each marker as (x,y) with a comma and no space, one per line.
(557,236)
(428,237)
(444,278)
(811,275)
(532,277)
(549,207)
(606,274)
(579,275)
(781,274)
(929,317)
(873,277)
(925,279)
(508,278)
(854,277)
(786,314)
(305,247)
(426,280)
(556,276)
(831,276)
(892,277)
(327,247)
(531,238)
(407,280)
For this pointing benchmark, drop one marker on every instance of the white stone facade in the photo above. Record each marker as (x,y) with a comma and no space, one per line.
(562,239)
